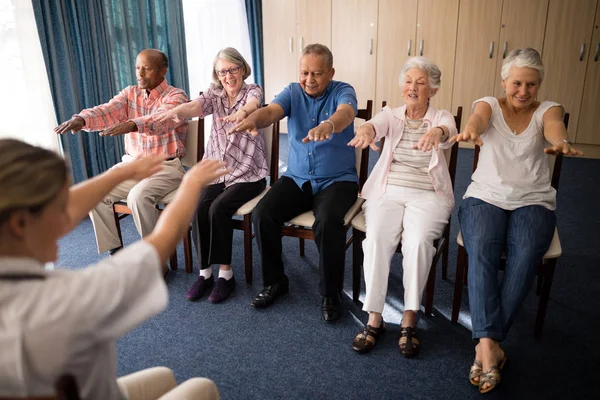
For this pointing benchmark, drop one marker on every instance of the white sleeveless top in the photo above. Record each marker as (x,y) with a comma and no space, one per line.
(513,171)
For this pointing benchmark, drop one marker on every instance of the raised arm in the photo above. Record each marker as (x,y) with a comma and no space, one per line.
(184,111)
(86,195)
(251,105)
(555,133)
(259,119)
(174,222)
(154,125)
(476,125)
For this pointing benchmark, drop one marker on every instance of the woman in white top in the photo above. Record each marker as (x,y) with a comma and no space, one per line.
(509,206)
(409,198)
(67,322)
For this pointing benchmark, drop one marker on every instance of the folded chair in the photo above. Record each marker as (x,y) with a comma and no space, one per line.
(546,266)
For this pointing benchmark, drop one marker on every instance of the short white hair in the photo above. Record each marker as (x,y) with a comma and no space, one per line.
(520,58)
(426,65)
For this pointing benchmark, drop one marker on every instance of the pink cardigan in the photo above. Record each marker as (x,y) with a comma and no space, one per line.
(389,124)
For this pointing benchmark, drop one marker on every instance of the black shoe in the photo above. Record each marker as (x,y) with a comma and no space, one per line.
(113,251)
(270,293)
(330,309)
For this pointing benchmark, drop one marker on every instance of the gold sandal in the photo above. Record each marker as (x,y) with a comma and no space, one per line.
(475,372)
(491,376)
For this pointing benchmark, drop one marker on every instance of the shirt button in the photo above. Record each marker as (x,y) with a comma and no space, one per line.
(309,172)
(310,154)
(313,119)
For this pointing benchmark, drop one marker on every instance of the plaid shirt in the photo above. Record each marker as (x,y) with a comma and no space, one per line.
(141,107)
(242,152)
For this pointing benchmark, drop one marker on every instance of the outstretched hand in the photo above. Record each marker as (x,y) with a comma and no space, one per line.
(74,125)
(244,126)
(467,136)
(319,133)
(120,129)
(206,171)
(563,148)
(431,138)
(167,116)
(236,117)
(364,137)
(143,167)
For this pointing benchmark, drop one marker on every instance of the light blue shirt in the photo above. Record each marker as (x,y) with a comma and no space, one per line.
(320,163)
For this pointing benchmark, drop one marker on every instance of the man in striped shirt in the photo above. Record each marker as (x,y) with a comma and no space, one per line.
(133,113)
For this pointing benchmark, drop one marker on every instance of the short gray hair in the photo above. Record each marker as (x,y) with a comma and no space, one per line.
(233,56)
(321,51)
(519,58)
(426,65)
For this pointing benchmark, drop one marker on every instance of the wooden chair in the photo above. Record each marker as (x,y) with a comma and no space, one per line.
(359,233)
(65,388)
(301,226)
(194,152)
(271,136)
(547,264)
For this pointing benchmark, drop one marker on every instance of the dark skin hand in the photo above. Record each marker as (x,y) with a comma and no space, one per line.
(74,125)
(120,129)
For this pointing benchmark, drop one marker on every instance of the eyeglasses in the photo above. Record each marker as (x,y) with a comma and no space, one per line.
(232,71)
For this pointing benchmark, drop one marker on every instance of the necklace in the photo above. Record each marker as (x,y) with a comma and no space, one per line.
(414,126)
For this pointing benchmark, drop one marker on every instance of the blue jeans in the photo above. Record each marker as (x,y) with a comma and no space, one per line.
(524,235)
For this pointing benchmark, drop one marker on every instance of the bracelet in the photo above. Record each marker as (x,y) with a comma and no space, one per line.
(442,138)
(330,122)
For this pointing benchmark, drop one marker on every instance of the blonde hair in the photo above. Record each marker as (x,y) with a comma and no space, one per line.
(233,56)
(30,177)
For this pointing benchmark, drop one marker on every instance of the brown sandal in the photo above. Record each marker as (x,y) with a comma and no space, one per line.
(409,342)
(366,340)
(492,376)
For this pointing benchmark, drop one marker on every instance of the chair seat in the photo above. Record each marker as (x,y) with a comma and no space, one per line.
(308,218)
(554,251)
(359,222)
(248,207)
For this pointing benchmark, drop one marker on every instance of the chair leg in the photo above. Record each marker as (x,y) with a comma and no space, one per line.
(187,251)
(301,244)
(548,275)
(430,288)
(118,224)
(445,252)
(461,261)
(247,225)
(540,280)
(173,261)
(357,262)
(466,264)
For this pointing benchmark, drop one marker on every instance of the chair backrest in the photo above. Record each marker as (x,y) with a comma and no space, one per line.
(554,162)
(271,136)
(450,154)
(362,155)
(194,148)
(65,387)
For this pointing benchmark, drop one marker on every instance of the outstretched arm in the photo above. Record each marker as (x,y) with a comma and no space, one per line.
(476,125)
(85,195)
(555,133)
(259,119)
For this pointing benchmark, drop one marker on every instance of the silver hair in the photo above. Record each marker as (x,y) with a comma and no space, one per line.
(520,58)
(233,56)
(319,50)
(426,65)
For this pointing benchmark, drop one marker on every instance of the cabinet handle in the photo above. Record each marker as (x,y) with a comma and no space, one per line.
(581,51)
(371,47)
(291,45)
(301,43)
(421,48)
(409,44)
(504,51)
(491,49)
(597,51)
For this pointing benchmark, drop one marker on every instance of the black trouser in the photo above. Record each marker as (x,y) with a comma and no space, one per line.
(284,201)
(216,206)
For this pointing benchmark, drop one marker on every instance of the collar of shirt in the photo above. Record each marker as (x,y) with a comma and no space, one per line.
(157,91)
(400,113)
(21,266)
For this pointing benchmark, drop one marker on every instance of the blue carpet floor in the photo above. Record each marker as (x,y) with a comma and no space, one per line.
(288,352)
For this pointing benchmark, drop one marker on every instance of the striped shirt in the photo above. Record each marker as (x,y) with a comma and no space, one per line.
(410,167)
(242,152)
(137,105)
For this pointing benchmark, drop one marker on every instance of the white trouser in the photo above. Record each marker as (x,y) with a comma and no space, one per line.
(159,384)
(415,216)
(142,197)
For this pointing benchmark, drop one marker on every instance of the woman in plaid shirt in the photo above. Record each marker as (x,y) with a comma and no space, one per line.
(229,99)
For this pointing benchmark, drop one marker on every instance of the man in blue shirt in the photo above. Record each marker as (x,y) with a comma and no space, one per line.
(321,175)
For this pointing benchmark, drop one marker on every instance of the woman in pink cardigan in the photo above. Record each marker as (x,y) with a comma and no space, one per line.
(408,196)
